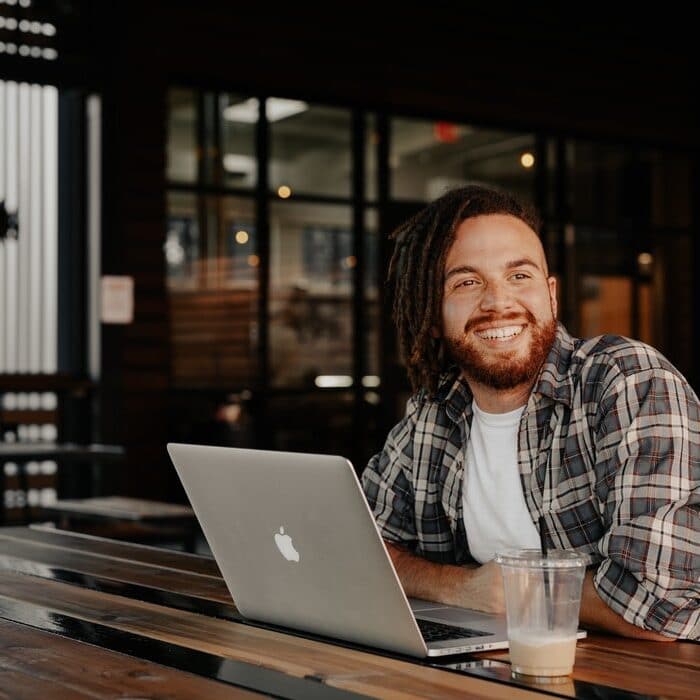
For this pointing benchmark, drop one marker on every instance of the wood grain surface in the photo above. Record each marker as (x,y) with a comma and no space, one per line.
(28,557)
(35,664)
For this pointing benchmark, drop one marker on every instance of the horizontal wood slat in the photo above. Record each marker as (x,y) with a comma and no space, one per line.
(211,335)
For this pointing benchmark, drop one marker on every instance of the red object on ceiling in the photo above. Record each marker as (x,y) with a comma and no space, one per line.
(446,132)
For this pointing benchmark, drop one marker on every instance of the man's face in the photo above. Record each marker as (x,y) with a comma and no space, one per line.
(499,305)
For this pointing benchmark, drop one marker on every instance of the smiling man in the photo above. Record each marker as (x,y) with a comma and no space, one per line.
(512,420)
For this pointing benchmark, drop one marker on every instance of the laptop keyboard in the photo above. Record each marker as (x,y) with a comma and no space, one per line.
(439,632)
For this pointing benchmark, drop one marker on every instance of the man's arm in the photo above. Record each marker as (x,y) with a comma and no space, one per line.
(478,587)
(597,615)
(647,479)
(481,588)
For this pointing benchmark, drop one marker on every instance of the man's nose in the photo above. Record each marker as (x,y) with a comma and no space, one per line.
(496,297)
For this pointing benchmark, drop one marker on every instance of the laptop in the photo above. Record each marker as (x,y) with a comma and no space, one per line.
(298,547)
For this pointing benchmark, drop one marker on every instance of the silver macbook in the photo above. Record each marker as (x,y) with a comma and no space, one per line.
(298,547)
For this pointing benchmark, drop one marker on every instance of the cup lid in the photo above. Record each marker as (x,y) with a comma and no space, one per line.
(534,559)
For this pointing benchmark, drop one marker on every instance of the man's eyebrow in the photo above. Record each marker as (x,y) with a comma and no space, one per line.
(520,262)
(464,269)
(459,270)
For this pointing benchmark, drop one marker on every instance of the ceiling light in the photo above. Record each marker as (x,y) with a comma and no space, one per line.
(276,108)
(234,163)
(333,381)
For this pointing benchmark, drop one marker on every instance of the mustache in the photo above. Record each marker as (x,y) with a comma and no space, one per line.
(493,318)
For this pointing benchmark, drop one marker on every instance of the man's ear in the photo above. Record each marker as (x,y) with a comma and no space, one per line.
(552,284)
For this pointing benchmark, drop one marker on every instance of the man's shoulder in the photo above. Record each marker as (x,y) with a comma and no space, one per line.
(619,353)
(605,361)
(440,409)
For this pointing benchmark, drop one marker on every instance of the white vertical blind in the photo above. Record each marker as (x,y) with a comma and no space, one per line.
(94,216)
(3,160)
(24,218)
(49,322)
(10,292)
(28,264)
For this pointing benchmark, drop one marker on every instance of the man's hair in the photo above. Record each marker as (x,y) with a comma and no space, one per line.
(416,272)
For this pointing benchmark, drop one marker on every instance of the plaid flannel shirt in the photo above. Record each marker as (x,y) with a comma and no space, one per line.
(608,453)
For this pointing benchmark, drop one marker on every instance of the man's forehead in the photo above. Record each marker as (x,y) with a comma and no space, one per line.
(503,236)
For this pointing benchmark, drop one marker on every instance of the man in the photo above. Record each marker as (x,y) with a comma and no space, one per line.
(514,422)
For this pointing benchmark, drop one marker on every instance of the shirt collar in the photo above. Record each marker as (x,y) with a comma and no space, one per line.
(554,380)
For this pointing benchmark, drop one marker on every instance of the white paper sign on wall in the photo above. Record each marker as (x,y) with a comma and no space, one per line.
(117,299)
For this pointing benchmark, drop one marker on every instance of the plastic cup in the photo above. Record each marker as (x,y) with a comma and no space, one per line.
(543,597)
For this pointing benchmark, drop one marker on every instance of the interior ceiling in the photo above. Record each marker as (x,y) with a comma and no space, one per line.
(326,129)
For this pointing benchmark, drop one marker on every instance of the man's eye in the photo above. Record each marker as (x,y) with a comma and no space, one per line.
(466,283)
(521,276)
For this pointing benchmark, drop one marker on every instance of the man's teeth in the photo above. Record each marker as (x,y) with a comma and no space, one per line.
(500,333)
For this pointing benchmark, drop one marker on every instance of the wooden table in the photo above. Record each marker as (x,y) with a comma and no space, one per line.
(87,617)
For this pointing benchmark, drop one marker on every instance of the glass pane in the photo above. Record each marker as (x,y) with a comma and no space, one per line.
(310,295)
(371,143)
(429,157)
(181,152)
(620,250)
(330,414)
(182,241)
(671,190)
(597,183)
(606,305)
(371,298)
(214,311)
(309,148)
(238,244)
(645,318)
(239,116)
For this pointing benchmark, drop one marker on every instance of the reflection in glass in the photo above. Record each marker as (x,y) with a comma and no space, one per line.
(671,190)
(310,292)
(371,144)
(429,157)
(214,290)
(182,244)
(371,295)
(328,411)
(239,116)
(181,151)
(309,148)
(597,181)
(606,305)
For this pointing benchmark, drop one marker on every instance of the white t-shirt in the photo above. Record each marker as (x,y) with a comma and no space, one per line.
(495,513)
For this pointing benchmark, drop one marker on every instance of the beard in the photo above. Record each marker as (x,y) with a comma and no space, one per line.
(507,370)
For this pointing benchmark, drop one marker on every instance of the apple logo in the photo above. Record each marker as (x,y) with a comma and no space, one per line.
(284,544)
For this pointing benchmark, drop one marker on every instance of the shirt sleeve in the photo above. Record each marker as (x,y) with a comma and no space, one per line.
(388,486)
(648,477)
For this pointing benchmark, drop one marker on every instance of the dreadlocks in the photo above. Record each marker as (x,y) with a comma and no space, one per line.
(417,266)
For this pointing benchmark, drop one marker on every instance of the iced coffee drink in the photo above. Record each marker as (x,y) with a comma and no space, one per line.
(543,596)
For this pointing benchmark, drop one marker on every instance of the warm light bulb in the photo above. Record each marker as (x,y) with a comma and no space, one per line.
(241,237)
(527,160)
(284,191)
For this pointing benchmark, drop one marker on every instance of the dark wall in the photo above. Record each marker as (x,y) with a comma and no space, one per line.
(626,79)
